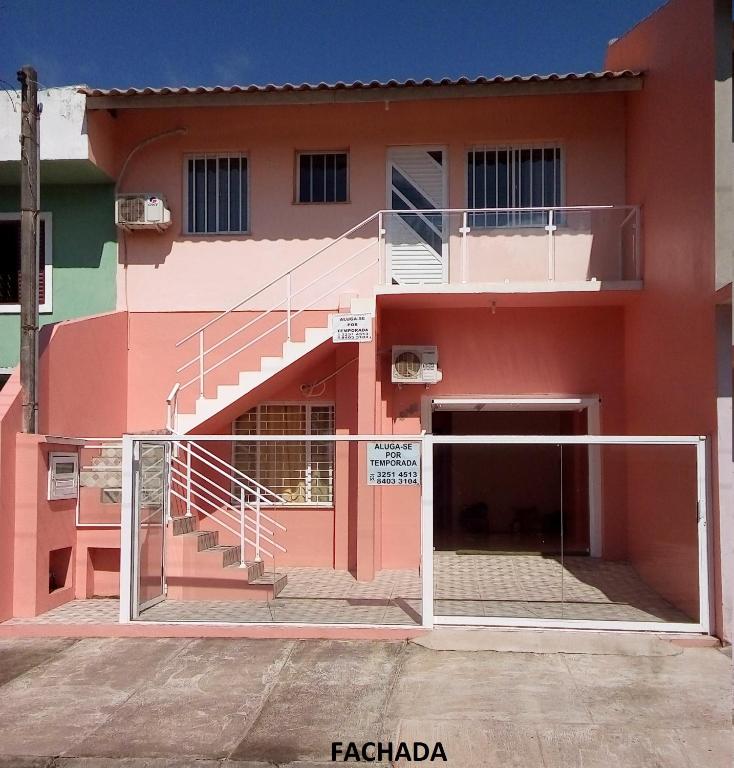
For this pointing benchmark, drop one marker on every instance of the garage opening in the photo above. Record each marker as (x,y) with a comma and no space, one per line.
(537,519)
(511,498)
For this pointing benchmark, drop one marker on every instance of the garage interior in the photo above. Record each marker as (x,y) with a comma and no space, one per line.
(512,534)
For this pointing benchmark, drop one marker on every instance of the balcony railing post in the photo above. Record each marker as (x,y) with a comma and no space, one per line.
(381,272)
(258,558)
(201,363)
(242,527)
(188,482)
(464,232)
(288,287)
(551,228)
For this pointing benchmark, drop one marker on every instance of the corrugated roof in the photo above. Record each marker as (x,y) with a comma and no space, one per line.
(359,84)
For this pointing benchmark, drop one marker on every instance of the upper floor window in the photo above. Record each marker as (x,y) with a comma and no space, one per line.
(322,177)
(514,177)
(217,198)
(10,263)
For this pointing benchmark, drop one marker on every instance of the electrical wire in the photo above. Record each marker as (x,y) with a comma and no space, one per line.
(308,390)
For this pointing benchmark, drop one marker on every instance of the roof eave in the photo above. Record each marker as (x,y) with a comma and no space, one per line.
(341,95)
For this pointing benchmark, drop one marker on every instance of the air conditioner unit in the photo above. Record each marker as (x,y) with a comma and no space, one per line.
(142,211)
(415,365)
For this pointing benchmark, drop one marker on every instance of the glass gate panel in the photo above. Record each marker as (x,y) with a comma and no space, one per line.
(498,530)
(647,569)
(150,516)
(589,530)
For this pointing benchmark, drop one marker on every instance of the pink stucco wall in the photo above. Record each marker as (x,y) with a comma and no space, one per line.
(154,357)
(163,269)
(83,377)
(515,351)
(10,424)
(673,178)
(41,528)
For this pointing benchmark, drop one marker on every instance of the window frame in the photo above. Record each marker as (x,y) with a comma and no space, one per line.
(47,306)
(308,405)
(297,176)
(510,146)
(216,155)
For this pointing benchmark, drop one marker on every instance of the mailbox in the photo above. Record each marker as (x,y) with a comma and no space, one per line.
(63,476)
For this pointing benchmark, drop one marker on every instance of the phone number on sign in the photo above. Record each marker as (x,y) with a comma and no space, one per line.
(394,478)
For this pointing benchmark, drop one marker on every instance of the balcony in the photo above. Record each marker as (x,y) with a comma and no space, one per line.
(513,250)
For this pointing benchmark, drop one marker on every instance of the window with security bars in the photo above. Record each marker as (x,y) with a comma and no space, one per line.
(217,195)
(300,472)
(322,177)
(514,177)
(10,260)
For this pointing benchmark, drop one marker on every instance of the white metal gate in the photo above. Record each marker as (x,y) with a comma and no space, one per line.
(696,517)
(144,513)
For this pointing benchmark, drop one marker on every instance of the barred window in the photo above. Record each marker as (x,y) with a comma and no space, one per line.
(513,177)
(10,262)
(217,194)
(322,177)
(300,472)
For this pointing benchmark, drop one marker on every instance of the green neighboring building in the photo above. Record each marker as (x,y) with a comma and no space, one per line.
(78,237)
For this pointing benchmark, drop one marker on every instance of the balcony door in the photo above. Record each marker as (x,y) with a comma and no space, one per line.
(416,238)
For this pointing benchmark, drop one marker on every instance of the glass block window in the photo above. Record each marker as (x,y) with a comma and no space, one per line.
(217,194)
(322,177)
(300,472)
(514,177)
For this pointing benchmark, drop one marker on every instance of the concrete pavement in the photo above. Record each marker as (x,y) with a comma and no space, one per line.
(619,700)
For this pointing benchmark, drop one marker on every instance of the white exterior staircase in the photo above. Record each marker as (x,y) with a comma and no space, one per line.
(227,394)
(303,287)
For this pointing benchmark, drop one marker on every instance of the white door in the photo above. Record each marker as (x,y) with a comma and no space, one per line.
(417,240)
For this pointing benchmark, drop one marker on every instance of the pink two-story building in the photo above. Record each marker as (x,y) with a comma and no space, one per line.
(400,354)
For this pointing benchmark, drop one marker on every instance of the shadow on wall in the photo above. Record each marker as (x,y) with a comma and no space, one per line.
(83,221)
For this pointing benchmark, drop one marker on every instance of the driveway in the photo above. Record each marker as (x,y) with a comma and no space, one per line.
(491,699)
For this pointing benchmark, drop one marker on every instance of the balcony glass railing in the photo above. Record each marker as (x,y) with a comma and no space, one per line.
(511,245)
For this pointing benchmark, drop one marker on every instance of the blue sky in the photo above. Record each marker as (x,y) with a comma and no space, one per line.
(209,42)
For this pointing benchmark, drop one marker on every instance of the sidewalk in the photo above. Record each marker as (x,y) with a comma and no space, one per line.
(613,700)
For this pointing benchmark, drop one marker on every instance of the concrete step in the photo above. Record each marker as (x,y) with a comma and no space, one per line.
(207,540)
(254,569)
(230,555)
(277,581)
(183,525)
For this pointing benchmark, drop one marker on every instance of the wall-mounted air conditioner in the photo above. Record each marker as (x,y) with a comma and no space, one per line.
(415,365)
(142,211)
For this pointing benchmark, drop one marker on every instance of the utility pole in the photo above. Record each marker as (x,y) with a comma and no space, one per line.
(29,198)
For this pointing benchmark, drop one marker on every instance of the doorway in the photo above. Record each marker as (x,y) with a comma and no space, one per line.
(416,238)
(504,499)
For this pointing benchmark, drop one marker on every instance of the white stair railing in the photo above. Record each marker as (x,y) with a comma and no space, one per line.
(233,502)
(286,280)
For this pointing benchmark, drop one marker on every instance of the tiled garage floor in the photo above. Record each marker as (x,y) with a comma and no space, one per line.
(534,586)
(519,586)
